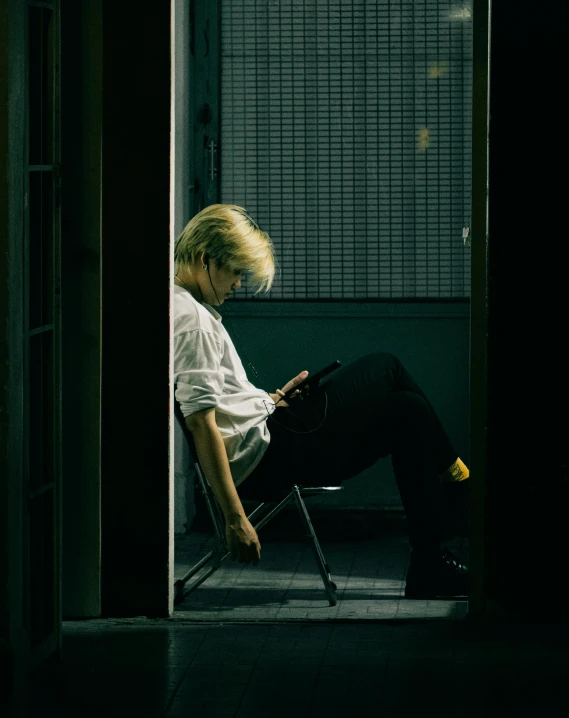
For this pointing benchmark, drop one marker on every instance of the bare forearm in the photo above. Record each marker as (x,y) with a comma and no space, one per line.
(213,460)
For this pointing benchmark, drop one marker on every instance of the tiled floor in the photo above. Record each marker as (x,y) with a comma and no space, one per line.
(369,572)
(262,642)
(390,668)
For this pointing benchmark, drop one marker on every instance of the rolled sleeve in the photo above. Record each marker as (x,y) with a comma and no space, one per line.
(197,371)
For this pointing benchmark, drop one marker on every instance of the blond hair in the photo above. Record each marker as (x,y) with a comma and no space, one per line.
(231,238)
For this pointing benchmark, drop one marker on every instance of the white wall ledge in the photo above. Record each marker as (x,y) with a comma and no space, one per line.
(343,310)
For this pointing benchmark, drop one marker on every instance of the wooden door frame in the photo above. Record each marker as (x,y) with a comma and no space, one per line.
(81,299)
(15,643)
(136,571)
(479,304)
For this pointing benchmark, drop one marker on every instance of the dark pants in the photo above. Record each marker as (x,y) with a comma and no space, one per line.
(366,410)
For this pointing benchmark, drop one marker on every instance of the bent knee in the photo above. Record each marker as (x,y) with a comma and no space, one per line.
(385,358)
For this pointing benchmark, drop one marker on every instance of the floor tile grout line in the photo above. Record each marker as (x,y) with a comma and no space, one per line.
(245,687)
(351,568)
(402,589)
(293,574)
(185,673)
(320,665)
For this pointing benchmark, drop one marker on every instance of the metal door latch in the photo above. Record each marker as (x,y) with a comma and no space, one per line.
(212,147)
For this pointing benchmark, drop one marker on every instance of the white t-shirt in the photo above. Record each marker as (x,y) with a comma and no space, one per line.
(208,373)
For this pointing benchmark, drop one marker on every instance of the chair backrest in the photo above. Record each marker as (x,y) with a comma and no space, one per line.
(209,497)
(187,433)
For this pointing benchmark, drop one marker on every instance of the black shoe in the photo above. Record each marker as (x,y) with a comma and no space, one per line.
(439,575)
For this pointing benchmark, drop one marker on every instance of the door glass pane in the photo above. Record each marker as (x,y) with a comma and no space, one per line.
(42,567)
(40,86)
(41,246)
(41,407)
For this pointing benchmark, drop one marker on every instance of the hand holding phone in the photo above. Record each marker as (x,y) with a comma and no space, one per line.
(297,392)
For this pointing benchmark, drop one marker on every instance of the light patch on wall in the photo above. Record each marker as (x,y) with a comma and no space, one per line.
(460,13)
(423,139)
(438,69)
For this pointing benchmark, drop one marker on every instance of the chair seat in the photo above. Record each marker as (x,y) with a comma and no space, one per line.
(315,490)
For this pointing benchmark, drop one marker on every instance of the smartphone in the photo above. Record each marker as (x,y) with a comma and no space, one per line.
(311,382)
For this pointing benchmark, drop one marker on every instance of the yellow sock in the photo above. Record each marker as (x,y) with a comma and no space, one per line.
(456,472)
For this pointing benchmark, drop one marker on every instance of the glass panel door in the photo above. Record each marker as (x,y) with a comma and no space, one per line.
(42,409)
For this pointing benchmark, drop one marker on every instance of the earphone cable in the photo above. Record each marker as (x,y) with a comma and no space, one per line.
(250,364)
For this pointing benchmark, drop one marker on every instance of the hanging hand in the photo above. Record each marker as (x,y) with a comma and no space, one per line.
(242,540)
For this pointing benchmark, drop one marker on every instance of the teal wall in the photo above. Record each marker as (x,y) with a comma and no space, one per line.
(431,339)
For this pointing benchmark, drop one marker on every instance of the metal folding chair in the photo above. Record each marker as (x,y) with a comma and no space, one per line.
(262,514)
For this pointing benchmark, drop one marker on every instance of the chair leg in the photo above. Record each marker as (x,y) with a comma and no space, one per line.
(329,585)
(220,550)
(212,507)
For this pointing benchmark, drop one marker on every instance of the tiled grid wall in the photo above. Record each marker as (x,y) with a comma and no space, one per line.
(345,131)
